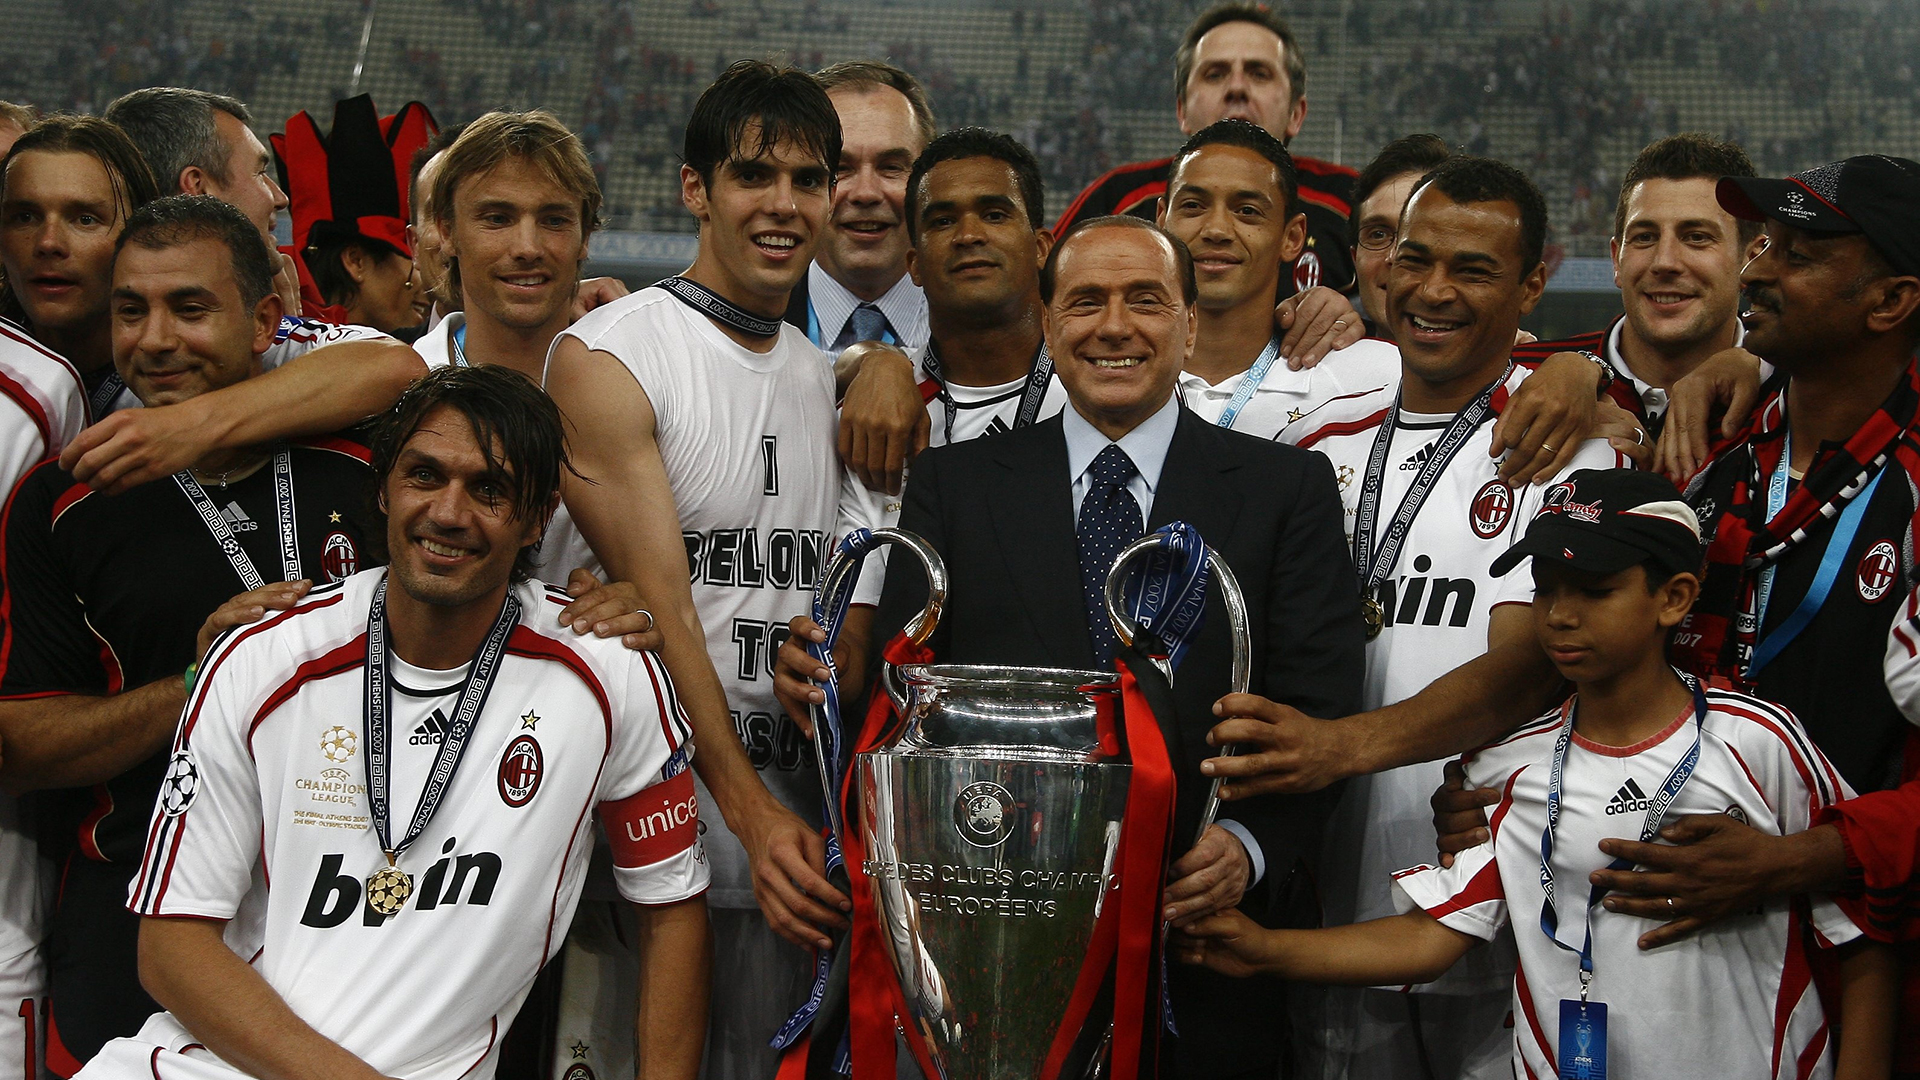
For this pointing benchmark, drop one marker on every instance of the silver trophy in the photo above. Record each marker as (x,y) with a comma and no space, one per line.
(991,819)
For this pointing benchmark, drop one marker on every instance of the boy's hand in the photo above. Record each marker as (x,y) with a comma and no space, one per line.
(1227,942)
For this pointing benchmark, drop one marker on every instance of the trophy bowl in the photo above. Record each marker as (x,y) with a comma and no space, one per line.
(990,826)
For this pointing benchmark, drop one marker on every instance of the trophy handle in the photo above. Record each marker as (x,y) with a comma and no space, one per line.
(843,569)
(1236,602)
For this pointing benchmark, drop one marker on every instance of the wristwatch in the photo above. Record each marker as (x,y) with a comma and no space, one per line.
(1606,373)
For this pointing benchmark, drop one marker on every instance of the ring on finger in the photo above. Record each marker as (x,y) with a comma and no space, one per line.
(648,614)
(1670,904)
(1639,435)
(1548,447)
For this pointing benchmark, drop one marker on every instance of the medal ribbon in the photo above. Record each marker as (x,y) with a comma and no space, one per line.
(100,402)
(1039,377)
(459,338)
(1168,596)
(1649,827)
(1250,383)
(1375,563)
(717,307)
(1838,545)
(473,698)
(829,612)
(216,524)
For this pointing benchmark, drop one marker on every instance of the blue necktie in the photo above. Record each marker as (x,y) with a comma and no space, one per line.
(869,323)
(1109,520)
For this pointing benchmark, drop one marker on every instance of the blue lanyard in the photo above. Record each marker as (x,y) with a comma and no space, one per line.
(460,346)
(1250,383)
(1838,545)
(1649,828)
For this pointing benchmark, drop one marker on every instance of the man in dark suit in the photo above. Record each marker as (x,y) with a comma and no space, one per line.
(1014,515)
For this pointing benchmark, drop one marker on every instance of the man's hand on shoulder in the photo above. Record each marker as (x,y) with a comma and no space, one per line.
(883,418)
(595,291)
(249,607)
(1547,418)
(1281,749)
(1315,323)
(615,609)
(134,446)
(1727,382)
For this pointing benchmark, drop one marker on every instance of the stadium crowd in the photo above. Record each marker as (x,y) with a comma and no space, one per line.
(295,534)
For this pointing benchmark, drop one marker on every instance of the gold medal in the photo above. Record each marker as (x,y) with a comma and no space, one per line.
(388,890)
(1373,615)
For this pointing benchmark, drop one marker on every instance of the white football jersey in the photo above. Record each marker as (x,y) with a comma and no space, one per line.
(295,338)
(1438,601)
(1286,396)
(43,406)
(1732,999)
(749,443)
(268,784)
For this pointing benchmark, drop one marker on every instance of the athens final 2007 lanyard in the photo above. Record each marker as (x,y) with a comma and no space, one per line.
(1375,562)
(389,886)
(222,531)
(1583,1024)
(1032,396)
(1250,383)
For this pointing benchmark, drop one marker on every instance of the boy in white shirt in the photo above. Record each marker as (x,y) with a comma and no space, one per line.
(1613,556)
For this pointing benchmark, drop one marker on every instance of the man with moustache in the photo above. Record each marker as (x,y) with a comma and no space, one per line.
(1240,59)
(1025,519)
(857,288)
(1231,198)
(1427,514)
(693,400)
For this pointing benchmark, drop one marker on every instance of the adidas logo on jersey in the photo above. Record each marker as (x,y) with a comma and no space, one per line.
(996,426)
(237,519)
(431,732)
(1628,800)
(1419,459)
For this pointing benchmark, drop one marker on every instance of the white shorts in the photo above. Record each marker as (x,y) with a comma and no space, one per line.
(23,1025)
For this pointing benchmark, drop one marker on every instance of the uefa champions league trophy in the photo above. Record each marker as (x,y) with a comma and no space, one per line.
(990,819)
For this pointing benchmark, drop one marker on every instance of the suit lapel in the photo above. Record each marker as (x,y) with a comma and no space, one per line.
(1033,524)
(1190,489)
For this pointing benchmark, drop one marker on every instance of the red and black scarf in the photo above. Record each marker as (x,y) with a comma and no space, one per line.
(1725,621)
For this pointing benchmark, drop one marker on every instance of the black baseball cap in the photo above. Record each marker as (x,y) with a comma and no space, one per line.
(1603,521)
(1873,194)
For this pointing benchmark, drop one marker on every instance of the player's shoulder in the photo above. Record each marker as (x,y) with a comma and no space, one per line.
(1530,743)
(1368,363)
(1530,354)
(1746,721)
(433,346)
(541,633)
(317,636)
(24,360)
(646,311)
(48,489)
(298,335)
(1115,190)
(343,450)
(1358,413)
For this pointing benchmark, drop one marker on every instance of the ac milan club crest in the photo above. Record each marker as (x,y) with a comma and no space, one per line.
(1306,271)
(520,770)
(338,559)
(1878,569)
(1491,510)
(579,1071)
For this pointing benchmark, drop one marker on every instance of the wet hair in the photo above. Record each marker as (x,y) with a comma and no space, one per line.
(181,219)
(1182,258)
(133,184)
(174,128)
(1233,12)
(867,76)
(1416,154)
(507,413)
(973,142)
(771,105)
(1687,156)
(1467,179)
(1248,136)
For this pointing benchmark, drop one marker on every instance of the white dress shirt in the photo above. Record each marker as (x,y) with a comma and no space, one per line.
(830,307)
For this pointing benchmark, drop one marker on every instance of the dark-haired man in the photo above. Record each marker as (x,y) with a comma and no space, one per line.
(1053,501)
(91,667)
(287,937)
(1379,195)
(694,400)
(1240,59)
(1427,514)
(1677,255)
(1232,199)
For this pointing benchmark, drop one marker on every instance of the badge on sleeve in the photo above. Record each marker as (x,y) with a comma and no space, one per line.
(1583,1040)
